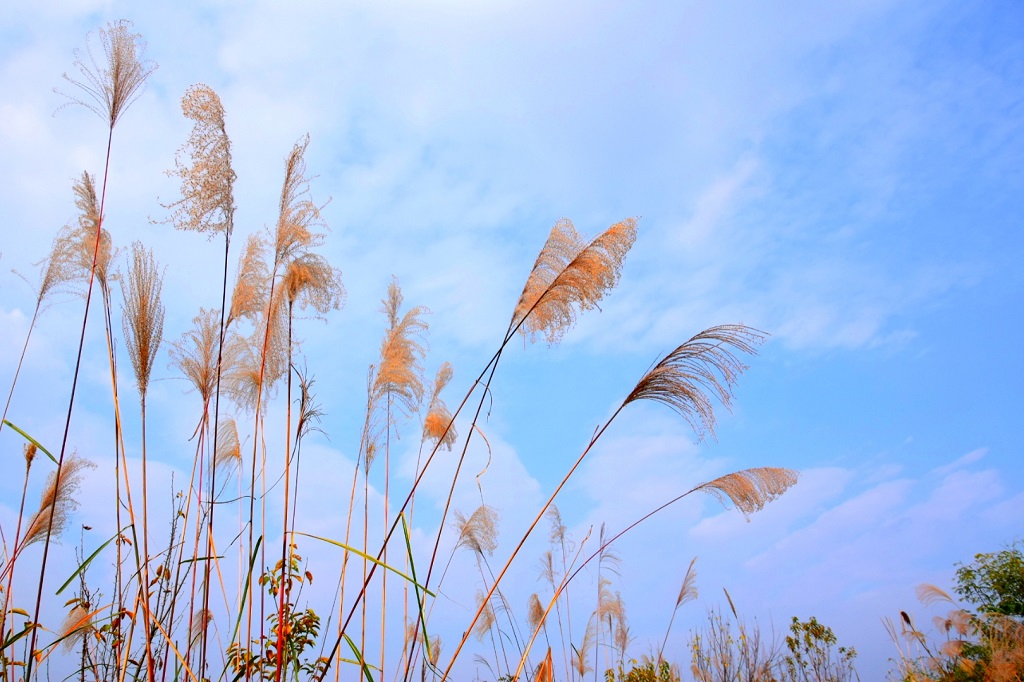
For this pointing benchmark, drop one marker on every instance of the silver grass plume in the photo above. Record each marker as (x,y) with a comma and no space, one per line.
(705,366)
(207,201)
(143,319)
(570,274)
(111,81)
(478,533)
(751,489)
(57,501)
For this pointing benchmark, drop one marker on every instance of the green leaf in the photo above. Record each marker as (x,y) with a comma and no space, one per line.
(367,557)
(419,600)
(359,658)
(32,440)
(16,636)
(85,564)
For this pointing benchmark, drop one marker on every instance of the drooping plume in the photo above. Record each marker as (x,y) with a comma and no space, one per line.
(439,417)
(703,367)
(111,81)
(751,489)
(57,500)
(570,276)
(478,533)
(310,281)
(76,626)
(143,319)
(204,165)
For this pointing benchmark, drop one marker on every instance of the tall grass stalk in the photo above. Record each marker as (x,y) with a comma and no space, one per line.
(108,90)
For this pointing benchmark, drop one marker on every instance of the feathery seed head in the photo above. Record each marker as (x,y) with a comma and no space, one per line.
(299,217)
(570,274)
(143,319)
(688,590)
(704,366)
(249,377)
(439,417)
(59,268)
(195,355)
(310,281)
(84,236)
(229,454)
(478,533)
(111,82)
(399,376)
(535,612)
(487,617)
(77,624)
(751,489)
(207,179)
(200,622)
(57,500)
(252,288)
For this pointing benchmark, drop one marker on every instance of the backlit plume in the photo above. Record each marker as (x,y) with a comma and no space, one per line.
(143,313)
(751,489)
(207,180)
(113,80)
(570,275)
(704,366)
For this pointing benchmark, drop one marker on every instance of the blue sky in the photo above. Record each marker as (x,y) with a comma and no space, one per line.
(846,177)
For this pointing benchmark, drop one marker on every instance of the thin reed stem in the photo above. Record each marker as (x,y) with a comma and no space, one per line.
(71,403)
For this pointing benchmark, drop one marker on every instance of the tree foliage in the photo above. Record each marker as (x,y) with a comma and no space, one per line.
(994,581)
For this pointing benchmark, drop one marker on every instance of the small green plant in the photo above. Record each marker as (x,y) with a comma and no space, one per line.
(285,653)
(812,654)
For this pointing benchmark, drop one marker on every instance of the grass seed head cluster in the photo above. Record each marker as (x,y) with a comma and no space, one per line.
(186,604)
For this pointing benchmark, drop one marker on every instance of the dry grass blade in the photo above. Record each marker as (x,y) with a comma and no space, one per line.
(479,532)
(57,501)
(113,83)
(299,217)
(207,200)
(143,313)
(568,274)
(545,670)
(751,489)
(703,367)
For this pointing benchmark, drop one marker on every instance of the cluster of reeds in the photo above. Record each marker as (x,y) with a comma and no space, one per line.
(987,647)
(178,607)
